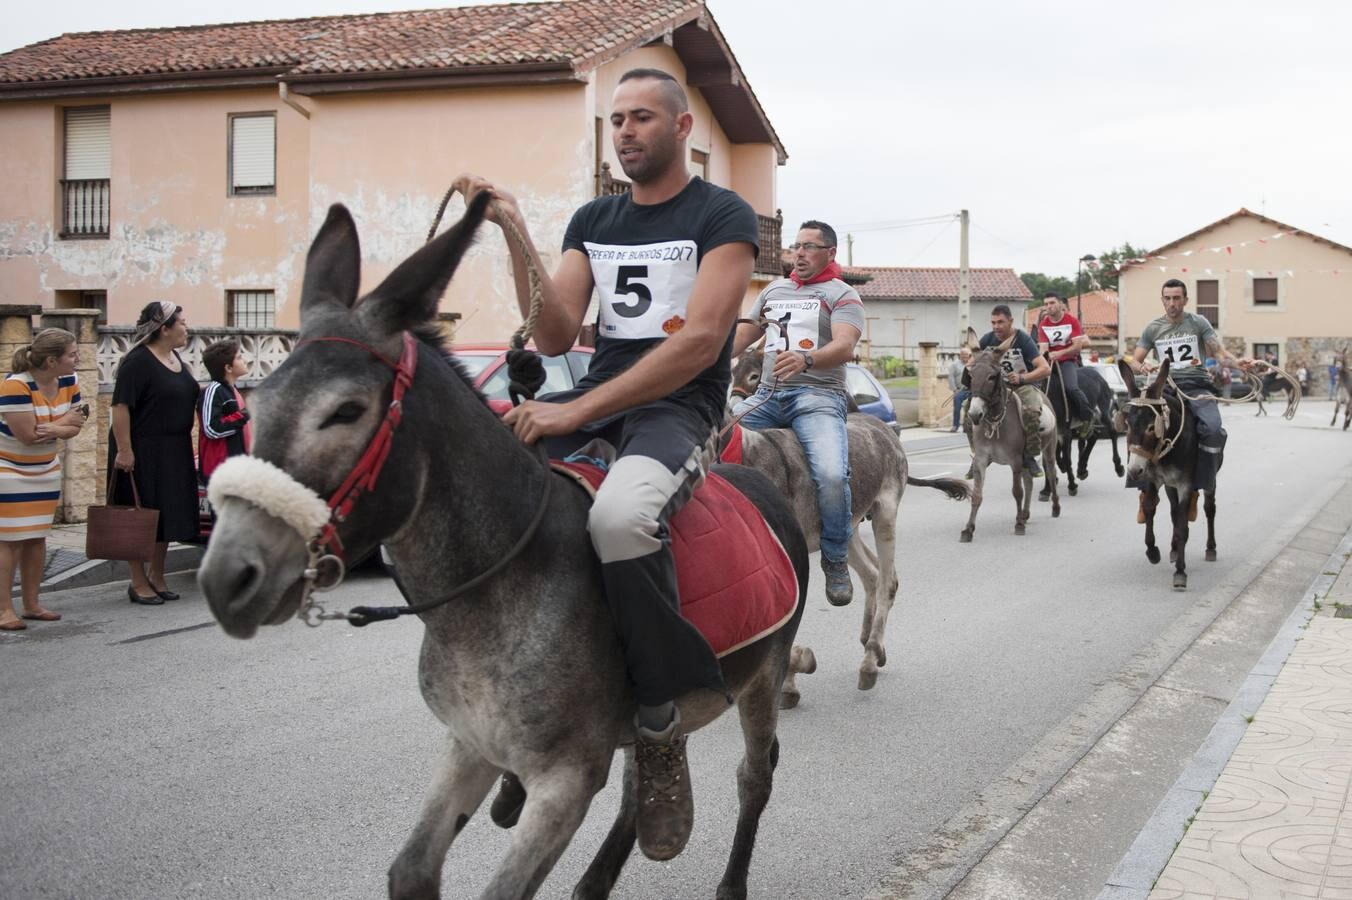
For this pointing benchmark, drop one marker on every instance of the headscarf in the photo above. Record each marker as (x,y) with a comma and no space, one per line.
(146,331)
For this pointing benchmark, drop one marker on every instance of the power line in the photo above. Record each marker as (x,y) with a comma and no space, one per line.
(942,232)
(901,223)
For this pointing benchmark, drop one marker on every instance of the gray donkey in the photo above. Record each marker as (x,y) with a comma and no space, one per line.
(878,476)
(997,436)
(525,670)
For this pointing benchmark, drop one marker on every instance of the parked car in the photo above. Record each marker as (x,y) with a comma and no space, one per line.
(870,395)
(1111,375)
(487,365)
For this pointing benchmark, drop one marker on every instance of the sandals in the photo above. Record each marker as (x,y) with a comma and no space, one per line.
(15,625)
(42,615)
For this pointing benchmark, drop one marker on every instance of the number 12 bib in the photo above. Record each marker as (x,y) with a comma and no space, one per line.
(1180,350)
(644,289)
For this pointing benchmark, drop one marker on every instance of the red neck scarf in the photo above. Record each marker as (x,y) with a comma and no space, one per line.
(832,270)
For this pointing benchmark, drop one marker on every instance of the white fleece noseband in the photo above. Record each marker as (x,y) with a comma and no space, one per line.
(267,487)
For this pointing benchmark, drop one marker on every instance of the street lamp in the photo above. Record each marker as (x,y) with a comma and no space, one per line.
(1087,258)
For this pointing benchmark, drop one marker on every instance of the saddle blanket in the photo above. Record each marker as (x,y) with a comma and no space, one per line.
(736,582)
(732,450)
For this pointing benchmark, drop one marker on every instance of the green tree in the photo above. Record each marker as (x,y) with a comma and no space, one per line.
(1039,284)
(1104,271)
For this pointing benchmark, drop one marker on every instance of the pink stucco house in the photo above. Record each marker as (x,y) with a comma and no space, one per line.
(194,164)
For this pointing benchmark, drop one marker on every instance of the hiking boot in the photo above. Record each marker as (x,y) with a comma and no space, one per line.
(1030,463)
(507,805)
(1140,508)
(666,809)
(839,588)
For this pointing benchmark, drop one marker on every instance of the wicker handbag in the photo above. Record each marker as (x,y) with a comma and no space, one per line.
(121,532)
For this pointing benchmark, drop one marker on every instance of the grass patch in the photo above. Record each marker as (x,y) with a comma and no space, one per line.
(1248,719)
(905,381)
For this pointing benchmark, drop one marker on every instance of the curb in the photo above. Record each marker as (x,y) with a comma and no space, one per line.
(1136,873)
(92,572)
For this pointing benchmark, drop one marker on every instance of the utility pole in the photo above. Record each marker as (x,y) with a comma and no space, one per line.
(849,249)
(964,284)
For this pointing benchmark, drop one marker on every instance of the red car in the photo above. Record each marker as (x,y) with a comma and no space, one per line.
(487,365)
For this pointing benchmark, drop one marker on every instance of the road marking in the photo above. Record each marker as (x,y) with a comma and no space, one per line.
(157,634)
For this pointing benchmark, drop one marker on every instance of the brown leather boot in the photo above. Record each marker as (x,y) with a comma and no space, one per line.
(1192,507)
(1140,508)
(666,809)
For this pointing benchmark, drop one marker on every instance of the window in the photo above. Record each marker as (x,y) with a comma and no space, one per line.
(250,309)
(1209,301)
(84,300)
(87,172)
(253,154)
(1261,351)
(557,378)
(860,386)
(1265,292)
(699,164)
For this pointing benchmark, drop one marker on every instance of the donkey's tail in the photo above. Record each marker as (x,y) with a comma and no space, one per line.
(955,488)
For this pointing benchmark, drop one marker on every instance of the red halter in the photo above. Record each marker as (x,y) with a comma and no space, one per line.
(366,472)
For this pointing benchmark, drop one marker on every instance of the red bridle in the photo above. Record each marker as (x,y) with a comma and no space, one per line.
(366,472)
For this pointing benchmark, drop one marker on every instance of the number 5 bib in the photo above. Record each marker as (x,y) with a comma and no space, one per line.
(644,289)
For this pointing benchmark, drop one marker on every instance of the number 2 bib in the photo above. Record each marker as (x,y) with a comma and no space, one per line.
(1180,350)
(1058,336)
(644,289)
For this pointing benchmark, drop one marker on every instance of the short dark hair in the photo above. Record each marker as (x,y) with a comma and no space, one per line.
(218,355)
(827,231)
(1050,294)
(672,91)
(1174,282)
(1002,310)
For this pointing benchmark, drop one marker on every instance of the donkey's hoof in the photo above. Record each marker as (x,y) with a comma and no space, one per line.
(867,679)
(1180,581)
(1020,528)
(1152,554)
(1044,496)
(1083,474)
(789,699)
(731,892)
(802,660)
(1211,556)
(1072,489)
(1056,511)
(1119,470)
(965,537)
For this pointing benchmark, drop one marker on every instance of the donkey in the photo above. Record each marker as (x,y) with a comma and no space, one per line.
(878,477)
(525,670)
(997,436)
(1100,398)
(1343,398)
(1162,450)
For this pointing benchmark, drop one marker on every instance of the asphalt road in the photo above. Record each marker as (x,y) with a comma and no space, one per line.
(147,755)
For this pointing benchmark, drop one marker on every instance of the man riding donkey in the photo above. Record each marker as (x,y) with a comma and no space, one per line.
(1185,339)
(1024,366)
(1060,337)
(669,262)
(814,319)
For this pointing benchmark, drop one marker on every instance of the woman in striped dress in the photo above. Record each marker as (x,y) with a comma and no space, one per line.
(39,403)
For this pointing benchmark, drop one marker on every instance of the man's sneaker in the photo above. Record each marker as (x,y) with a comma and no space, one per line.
(1030,463)
(666,809)
(839,588)
(507,805)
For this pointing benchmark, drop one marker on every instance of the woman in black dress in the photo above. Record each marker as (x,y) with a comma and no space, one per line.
(154,399)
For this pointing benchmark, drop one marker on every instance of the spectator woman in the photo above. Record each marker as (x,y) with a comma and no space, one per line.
(154,402)
(39,403)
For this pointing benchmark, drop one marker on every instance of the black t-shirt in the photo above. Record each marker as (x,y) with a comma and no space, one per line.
(644,259)
(1020,355)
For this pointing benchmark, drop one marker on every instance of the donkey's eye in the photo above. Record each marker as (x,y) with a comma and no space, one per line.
(345,414)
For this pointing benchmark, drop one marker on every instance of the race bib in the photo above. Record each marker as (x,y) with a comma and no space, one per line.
(1180,350)
(643,288)
(1012,361)
(1058,336)
(794,324)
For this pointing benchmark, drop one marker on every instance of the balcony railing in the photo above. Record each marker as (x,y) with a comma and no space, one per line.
(84,205)
(608,185)
(264,349)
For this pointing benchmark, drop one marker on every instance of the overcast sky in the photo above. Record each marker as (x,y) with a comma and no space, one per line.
(1064,127)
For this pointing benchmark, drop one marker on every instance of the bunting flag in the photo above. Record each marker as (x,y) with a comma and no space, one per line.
(1228,250)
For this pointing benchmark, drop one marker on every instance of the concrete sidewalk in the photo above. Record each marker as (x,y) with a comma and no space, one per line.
(67,567)
(1265,809)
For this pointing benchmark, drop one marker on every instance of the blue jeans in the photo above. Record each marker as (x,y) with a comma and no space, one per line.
(817,417)
(958,400)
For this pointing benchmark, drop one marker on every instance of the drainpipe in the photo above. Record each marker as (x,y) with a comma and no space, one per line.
(285,94)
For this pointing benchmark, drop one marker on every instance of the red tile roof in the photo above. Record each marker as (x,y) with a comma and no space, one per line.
(580,34)
(1098,314)
(893,283)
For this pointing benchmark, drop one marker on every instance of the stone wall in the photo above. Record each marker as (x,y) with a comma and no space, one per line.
(930,377)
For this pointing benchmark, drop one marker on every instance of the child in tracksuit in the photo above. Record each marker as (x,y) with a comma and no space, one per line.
(225,429)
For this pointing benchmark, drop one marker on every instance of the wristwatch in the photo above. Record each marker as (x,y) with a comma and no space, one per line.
(807,360)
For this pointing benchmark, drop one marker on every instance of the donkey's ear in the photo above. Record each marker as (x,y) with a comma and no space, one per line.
(1006,344)
(1129,377)
(409,296)
(333,266)
(1156,388)
(973,342)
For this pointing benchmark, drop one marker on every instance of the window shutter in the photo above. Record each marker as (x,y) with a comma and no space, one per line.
(88,148)
(253,141)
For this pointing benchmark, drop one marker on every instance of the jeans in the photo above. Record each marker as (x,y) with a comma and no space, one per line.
(817,417)
(959,399)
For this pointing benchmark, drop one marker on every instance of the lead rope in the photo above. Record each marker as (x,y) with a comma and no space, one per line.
(1255,390)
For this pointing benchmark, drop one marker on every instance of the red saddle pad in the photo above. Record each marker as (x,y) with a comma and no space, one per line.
(736,583)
